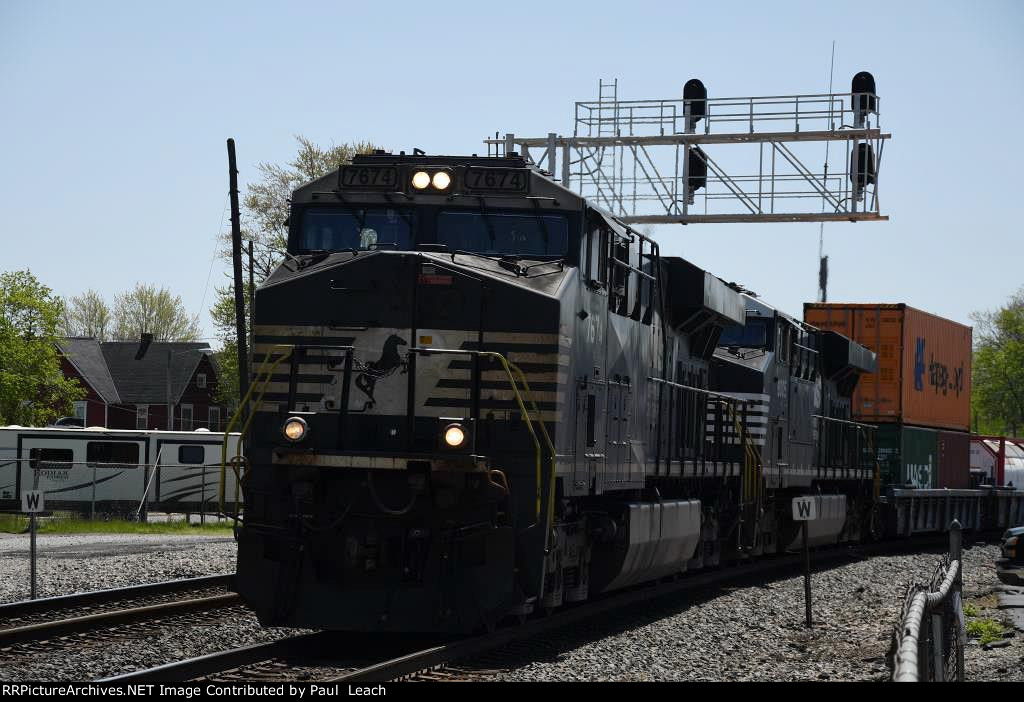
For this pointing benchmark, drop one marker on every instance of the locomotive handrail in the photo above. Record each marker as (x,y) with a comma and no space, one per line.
(509,366)
(751,458)
(287,352)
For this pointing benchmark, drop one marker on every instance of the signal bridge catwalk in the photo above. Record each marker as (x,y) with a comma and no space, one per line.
(700,159)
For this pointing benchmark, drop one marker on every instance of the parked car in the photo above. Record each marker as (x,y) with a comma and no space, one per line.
(72,422)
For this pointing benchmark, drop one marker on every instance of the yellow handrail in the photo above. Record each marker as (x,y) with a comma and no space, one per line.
(287,352)
(509,366)
(551,449)
(511,370)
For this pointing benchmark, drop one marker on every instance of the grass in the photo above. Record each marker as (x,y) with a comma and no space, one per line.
(971,610)
(16,524)
(985,630)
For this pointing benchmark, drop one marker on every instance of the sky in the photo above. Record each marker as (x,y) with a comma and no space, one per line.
(114,116)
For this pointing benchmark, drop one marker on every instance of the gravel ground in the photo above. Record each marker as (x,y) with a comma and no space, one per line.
(126,648)
(74,563)
(751,632)
(757,632)
(79,562)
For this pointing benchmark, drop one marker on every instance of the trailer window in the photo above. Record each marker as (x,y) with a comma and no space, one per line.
(112,454)
(49,458)
(191,455)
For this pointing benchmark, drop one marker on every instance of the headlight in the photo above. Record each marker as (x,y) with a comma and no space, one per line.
(454,435)
(295,429)
(442,180)
(420,180)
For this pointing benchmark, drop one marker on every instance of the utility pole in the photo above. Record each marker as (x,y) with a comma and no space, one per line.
(236,260)
(252,307)
(170,407)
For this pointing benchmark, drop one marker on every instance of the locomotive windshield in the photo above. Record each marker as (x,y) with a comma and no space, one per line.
(504,233)
(360,228)
(752,335)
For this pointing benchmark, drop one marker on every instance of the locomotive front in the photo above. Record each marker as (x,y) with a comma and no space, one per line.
(414,333)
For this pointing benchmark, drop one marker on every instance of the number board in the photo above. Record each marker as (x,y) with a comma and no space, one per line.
(368,178)
(504,180)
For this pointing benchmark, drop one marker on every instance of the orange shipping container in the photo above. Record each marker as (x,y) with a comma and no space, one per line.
(924,363)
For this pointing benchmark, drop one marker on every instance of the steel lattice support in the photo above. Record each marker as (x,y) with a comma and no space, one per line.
(750,157)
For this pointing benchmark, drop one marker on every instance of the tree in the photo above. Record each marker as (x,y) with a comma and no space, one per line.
(264,212)
(998,368)
(86,315)
(33,391)
(148,309)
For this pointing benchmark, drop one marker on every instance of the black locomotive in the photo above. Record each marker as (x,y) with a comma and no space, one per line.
(477,395)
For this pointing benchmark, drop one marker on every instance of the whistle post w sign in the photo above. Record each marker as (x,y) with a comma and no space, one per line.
(32,501)
(805,509)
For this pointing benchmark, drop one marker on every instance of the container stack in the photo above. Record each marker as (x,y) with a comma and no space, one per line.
(920,398)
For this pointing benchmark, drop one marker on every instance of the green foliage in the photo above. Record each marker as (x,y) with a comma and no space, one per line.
(86,315)
(156,311)
(998,368)
(33,391)
(264,211)
(121,526)
(985,630)
(970,610)
(18,524)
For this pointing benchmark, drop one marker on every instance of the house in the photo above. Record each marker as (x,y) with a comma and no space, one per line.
(126,393)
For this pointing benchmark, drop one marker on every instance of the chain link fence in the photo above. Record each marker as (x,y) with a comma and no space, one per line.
(928,642)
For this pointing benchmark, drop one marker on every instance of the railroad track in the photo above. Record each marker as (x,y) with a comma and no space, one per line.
(43,620)
(328,656)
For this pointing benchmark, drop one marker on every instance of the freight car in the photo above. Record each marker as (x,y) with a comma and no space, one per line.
(111,471)
(479,395)
(920,401)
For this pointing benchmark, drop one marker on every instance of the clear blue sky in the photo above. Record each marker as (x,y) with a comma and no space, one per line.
(113,118)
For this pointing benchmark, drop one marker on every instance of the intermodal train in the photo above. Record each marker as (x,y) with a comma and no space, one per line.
(478,395)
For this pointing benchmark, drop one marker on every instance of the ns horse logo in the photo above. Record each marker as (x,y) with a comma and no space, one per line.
(390,361)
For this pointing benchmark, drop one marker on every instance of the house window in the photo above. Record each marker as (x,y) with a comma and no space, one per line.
(142,416)
(201,380)
(186,417)
(80,409)
(214,421)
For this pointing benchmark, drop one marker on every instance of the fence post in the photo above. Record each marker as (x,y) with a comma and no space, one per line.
(956,554)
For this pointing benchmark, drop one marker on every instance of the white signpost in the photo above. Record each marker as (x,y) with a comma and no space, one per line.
(32,502)
(805,509)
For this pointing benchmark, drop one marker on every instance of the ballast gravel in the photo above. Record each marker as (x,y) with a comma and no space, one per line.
(757,632)
(748,632)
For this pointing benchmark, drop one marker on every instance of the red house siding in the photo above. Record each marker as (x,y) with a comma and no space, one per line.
(94,409)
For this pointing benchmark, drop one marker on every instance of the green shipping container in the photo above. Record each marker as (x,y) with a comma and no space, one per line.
(908,456)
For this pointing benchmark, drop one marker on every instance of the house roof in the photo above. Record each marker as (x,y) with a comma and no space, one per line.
(145,381)
(85,355)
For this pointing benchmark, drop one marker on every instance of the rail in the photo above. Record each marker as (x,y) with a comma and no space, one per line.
(932,649)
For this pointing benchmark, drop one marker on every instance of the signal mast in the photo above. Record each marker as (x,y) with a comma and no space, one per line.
(718,160)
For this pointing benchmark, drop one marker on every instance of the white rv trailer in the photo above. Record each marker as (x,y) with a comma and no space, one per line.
(115,471)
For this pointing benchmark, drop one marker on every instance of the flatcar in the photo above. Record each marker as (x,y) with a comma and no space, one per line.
(112,471)
(478,395)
